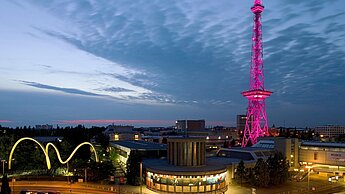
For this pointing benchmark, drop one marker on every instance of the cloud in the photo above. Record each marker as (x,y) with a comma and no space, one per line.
(65,90)
(151,52)
(116,89)
(118,122)
(5,121)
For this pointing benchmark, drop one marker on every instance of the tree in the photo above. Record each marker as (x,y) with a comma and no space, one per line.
(133,169)
(250,176)
(273,165)
(5,187)
(261,173)
(98,171)
(278,169)
(103,140)
(240,174)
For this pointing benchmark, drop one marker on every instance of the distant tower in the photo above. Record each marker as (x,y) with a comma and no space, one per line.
(256,123)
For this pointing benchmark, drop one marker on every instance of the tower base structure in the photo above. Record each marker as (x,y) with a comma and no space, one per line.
(256,123)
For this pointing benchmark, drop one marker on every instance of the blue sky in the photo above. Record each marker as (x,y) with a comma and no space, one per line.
(64,60)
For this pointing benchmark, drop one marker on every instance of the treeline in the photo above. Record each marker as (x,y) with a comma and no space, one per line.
(307,134)
(29,157)
(29,131)
(273,171)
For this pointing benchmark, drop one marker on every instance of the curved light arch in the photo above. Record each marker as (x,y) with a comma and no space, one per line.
(72,154)
(46,151)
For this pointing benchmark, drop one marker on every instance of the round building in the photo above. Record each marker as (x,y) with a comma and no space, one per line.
(186,169)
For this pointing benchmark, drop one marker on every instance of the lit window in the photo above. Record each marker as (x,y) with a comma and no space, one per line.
(136,137)
(116,137)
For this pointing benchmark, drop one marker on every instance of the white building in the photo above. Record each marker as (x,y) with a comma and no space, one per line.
(330,131)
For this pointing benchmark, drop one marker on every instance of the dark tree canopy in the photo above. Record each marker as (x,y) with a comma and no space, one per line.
(5,187)
(240,172)
(133,168)
(261,173)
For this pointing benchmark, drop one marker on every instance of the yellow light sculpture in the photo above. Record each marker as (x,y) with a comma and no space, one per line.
(46,151)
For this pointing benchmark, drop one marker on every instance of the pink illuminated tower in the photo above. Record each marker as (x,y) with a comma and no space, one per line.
(256,123)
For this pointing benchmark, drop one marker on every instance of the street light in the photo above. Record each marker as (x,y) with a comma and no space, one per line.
(141,177)
(308,167)
(3,166)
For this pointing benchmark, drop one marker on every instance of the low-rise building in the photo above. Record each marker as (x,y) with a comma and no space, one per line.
(329,131)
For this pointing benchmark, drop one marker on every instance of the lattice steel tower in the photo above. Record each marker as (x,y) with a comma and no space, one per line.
(256,124)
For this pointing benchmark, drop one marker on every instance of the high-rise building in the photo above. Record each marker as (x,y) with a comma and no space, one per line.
(190,124)
(241,122)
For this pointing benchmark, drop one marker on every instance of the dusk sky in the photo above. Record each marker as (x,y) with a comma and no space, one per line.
(148,63)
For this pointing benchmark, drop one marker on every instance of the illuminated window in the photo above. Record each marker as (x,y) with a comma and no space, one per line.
(116,137)
(136,137)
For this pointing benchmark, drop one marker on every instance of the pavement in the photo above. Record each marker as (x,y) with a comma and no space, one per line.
(317,184)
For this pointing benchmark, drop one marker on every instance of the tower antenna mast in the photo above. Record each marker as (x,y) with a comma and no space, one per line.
(256,122)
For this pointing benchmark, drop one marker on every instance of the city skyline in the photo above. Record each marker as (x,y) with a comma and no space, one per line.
(149,61)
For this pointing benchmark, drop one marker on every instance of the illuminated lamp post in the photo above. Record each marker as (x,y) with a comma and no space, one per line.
(3,166)
(141,177)
(309,167)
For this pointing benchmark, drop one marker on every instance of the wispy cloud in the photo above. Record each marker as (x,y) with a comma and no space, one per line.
(5,121)
(121,122)
(115,89)
(66,90)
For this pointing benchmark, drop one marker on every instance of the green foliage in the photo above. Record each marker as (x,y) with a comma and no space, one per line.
(103,140)
(5,187)
(240,174)
(28,156)
(274,171)
(250,176)
(133,169)
(278,169)
(261,173)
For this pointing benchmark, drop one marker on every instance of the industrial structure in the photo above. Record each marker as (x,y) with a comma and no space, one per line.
(256,123)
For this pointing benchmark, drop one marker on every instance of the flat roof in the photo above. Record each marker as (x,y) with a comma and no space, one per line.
(213,165)
(323,144)
(139,145)
(249,149)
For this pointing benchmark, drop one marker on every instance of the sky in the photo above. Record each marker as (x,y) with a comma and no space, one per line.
(149,63)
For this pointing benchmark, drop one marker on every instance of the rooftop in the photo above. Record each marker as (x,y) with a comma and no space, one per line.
(139,145)
(323,144)
(213,165)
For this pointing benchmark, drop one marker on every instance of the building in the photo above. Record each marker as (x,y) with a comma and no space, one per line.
(289,147)
(121,132)
(323,156)
(147,149)
(46,127)
(241,122)
(330,131)
(326,157)
(190,124)
(186,169)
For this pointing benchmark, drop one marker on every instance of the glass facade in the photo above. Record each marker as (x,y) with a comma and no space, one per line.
(186,184)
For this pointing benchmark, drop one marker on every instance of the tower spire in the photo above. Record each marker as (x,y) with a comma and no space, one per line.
(256,123)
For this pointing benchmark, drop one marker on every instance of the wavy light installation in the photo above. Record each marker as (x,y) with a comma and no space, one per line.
(46,151)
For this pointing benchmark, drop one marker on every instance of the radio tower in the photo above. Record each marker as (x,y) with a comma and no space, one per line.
(256,123)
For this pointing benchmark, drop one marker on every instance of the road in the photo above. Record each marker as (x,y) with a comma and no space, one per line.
(319,183)
(65,188)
